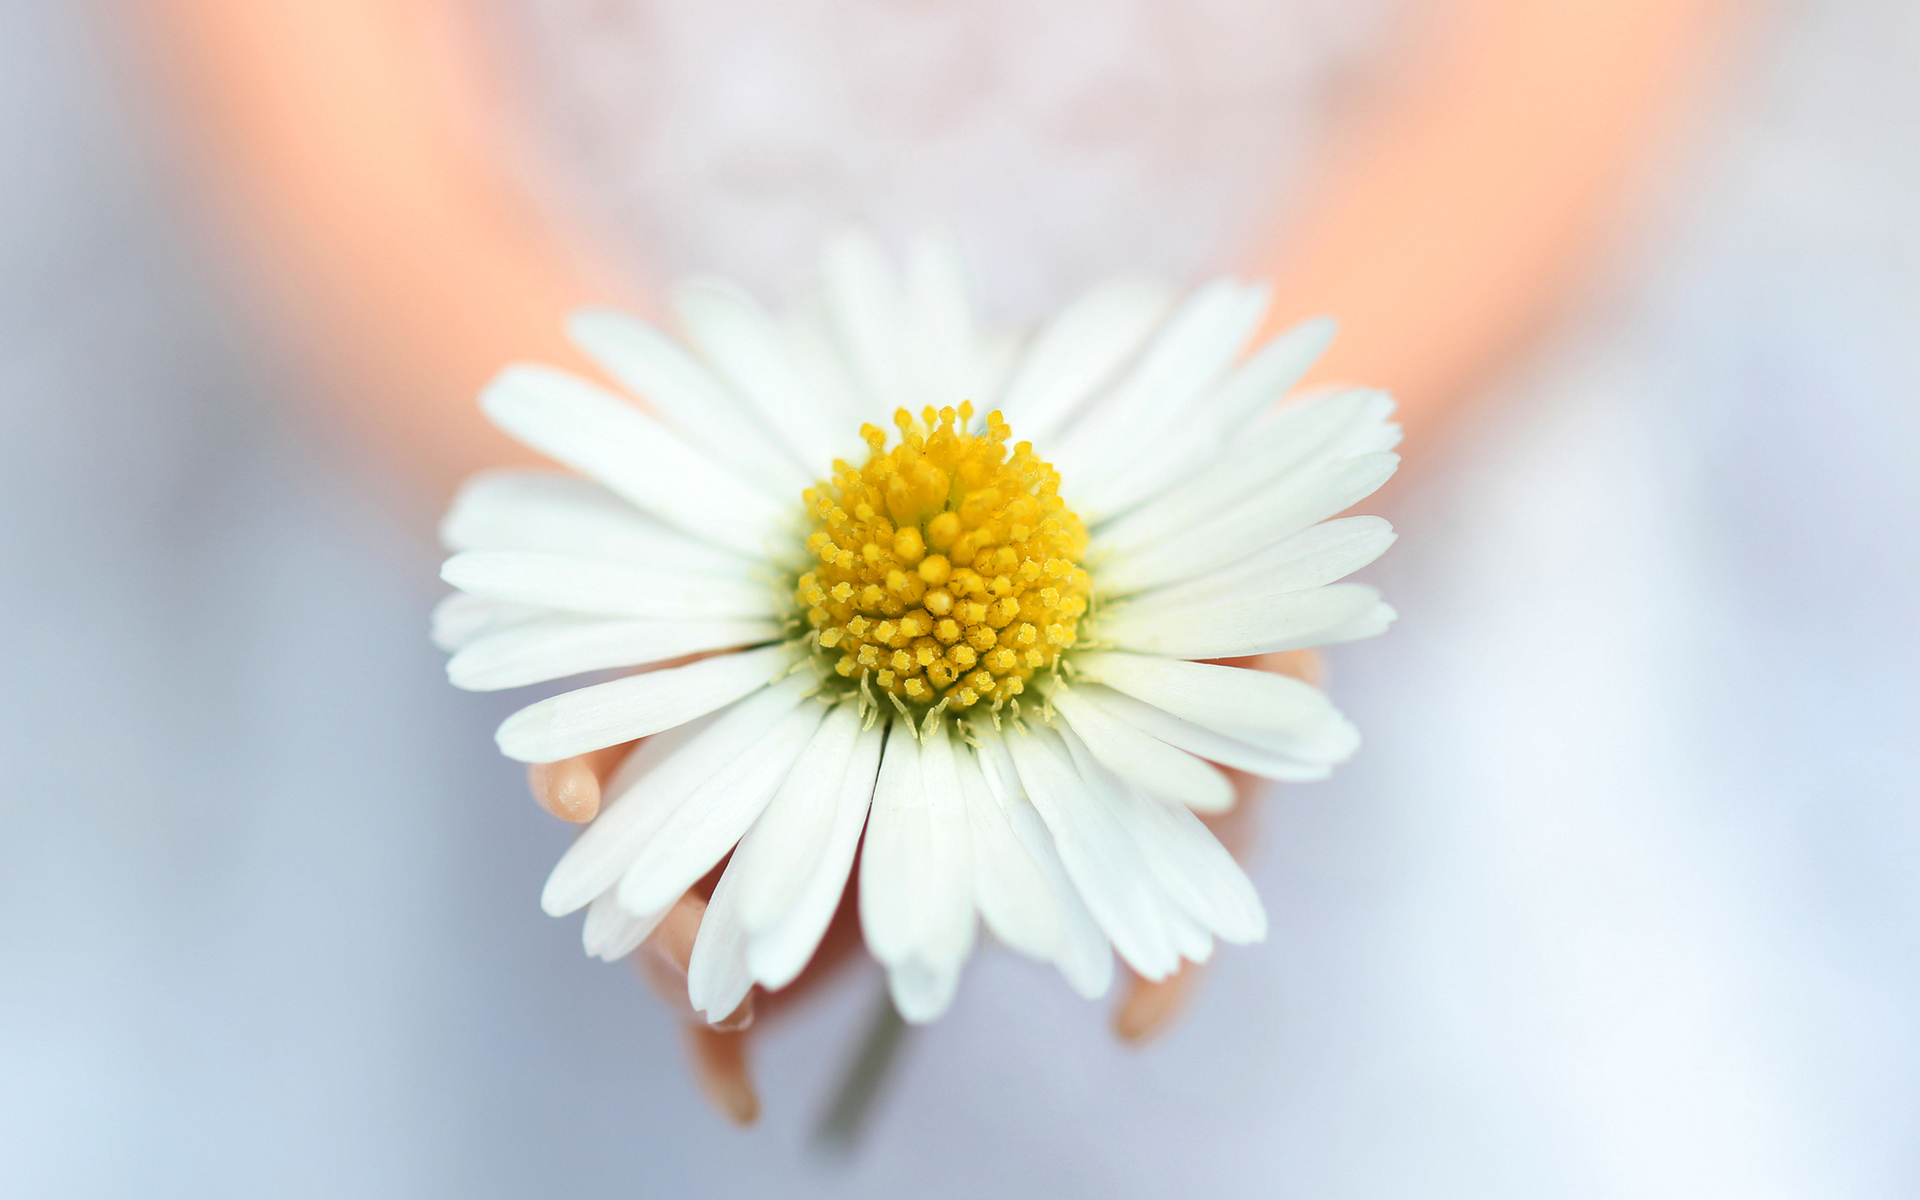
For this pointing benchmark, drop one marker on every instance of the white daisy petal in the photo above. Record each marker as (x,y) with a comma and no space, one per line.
(614,589)
(811,349)
(1078,351)
(651,783)
(1257,385)
(1144,762)
(1194,869)
(1237,629)
(1201,337)
(705,825)
(1210,431)
(940,362)
(995,353)
(551,513)
(1234,701)
(1293,443)
(779,951)
(610,932)
(1251,526)
(556,646)
(607,714)
(916,894)
(685,392)
(746,346)
(717,975)
(1188,936)
(1371,623)
(1015,897)
(1186,924)
(1241,594)
(1098,854)
(460,618)
(1194,349)
(1267,758)
(778,857)
(653,779)
(1085,958)
(946,933)
(576,423)
(922,991)
(863,304)
(895,850)
(1326,552)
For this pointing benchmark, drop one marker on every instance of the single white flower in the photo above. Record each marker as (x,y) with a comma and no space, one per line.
(980,652)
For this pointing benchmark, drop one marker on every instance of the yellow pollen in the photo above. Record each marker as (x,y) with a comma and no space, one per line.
(948,567)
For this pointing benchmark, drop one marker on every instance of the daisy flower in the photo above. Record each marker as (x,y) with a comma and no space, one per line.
(948,596)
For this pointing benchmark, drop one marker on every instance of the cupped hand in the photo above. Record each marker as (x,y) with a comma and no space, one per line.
(570,789)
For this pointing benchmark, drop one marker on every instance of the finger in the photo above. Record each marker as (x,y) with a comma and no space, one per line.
(837,946)
(667,953)
(1304,665)
(664,956)
(1235,826)
(716,1054)
(570,788)
(1151,1005)
(739,1020)
(719,1061)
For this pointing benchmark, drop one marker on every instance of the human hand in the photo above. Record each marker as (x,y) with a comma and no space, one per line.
(571,790)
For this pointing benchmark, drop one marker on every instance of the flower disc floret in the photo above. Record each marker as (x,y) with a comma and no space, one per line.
(948,567)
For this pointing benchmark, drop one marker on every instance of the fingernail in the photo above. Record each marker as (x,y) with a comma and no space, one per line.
(737,1020)
(1151,1005)
(568,789)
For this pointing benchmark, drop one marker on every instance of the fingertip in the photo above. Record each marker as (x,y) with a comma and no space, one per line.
(719,1062)
(739,1020)
(1304,665)
(571,788)
(664,957)
(673,938)
(667,981)
(568,789)
(1151,1005)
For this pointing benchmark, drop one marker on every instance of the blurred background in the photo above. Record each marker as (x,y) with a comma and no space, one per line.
(1619,899)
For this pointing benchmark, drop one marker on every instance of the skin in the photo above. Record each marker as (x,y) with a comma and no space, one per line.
(343,146)
(1459,213)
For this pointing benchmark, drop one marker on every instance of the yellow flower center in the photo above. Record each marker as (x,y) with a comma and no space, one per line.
(949,569)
